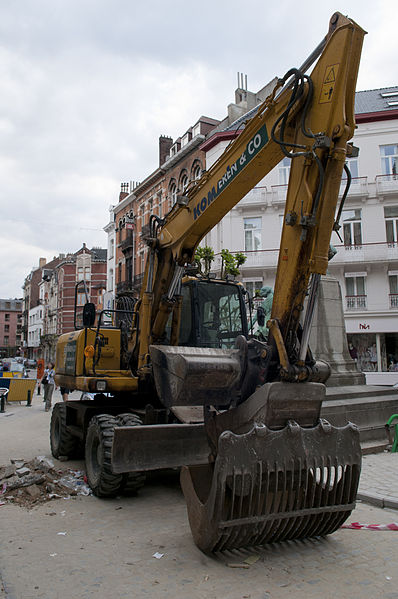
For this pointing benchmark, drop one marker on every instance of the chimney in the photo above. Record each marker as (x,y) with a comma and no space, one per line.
(42,262)
(124,191)
(165,144)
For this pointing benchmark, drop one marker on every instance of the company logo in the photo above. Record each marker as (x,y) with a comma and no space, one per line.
(257,142)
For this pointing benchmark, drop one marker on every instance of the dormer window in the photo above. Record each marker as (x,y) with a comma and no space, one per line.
(196,130)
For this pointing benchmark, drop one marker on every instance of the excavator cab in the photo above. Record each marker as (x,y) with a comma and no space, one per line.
(213,313)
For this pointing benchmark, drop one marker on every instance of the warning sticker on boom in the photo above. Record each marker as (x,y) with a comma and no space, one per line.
(329,82)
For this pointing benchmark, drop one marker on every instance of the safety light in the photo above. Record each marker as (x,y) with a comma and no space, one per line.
(100,385)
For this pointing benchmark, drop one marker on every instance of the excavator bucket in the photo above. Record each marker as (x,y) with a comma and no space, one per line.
(273,485)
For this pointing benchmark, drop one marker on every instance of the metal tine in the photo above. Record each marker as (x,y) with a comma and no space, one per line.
(231,538)
(285,504)
(236,532)
(303,520)
(293,493)
(233,494)
(335,523)
(262,511)
(251,531)
(318,518)
(309,498)
(327,518)
(272,525)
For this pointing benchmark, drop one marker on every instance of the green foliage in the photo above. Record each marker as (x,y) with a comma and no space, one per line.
(231,263)
(204,257)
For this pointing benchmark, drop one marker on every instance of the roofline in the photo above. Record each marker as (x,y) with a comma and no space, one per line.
(381,115)
(365,117)
(217,137)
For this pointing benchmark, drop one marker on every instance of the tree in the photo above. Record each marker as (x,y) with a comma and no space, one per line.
(231,262)
(205,254)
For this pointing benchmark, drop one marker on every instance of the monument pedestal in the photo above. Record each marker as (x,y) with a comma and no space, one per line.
(348,398)
(328,339)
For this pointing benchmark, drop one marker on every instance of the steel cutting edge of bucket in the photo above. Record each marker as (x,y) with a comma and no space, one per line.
(273,485)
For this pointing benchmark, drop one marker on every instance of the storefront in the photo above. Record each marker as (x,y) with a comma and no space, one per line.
(373,342)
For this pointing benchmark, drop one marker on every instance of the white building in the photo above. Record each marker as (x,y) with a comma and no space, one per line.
(35,326)
(366,264)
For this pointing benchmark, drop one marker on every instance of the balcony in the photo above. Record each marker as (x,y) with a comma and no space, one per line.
(278,197)
(358,187)
(356,302)
(124,286)
(366,252)
(256,197)
(386,184)
(394,301)
(127,243)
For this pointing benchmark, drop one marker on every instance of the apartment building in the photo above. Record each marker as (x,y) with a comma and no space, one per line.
(366,263)
(10,327)
(50,293)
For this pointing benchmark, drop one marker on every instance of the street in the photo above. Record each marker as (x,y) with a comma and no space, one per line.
(142,546)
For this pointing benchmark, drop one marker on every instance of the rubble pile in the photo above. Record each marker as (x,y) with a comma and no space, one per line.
(29,483)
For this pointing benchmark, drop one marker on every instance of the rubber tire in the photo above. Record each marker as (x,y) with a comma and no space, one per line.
(98,453)
(62,442)
(132,481)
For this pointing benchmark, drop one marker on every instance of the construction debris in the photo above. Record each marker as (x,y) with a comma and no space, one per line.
(30,483)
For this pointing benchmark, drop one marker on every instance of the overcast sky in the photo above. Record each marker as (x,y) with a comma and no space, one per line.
(87,87)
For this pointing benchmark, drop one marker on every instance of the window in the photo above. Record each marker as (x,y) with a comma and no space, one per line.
(111,279)
(129,268)
(196,130)
(173,193)
(6,317)
(185,139)
(111,249)
(81,298)
(6,340)
(160,204)
(352,164)
(355,292)
(391,218)
(252,228)
(393,283)
(389,160)
(183,182)
(196,172)
(284,171)
(6,328)
(352,229)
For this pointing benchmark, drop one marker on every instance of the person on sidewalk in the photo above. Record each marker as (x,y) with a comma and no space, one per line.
(49,386)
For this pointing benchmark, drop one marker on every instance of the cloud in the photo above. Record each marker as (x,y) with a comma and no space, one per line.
(88,87)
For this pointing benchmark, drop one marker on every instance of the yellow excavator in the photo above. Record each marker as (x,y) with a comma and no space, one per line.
(175,380)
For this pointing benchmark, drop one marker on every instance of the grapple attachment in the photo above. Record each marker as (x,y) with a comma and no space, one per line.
(273,485)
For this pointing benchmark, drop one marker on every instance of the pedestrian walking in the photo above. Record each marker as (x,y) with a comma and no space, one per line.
(49,384)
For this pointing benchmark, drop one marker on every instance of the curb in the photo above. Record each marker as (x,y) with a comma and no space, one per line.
(378,500)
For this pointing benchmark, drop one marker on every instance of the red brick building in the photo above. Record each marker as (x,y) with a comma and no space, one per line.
(10,327)
(180,163)
(84,265)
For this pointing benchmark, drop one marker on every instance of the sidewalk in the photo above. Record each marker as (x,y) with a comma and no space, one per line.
(379,480)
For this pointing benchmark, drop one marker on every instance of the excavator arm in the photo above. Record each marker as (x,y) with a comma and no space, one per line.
(308,118)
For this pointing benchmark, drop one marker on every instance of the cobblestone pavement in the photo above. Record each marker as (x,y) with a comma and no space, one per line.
(106,548)
(379,480)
